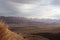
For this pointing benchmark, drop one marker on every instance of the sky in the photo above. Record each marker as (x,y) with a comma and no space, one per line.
(31,8)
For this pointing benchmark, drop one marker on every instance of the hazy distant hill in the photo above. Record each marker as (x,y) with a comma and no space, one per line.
(14,20)
(18,20)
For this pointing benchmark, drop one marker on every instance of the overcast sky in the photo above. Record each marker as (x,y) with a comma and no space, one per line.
(30,8)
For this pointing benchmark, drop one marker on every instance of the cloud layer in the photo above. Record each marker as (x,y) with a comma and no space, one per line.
(30,8)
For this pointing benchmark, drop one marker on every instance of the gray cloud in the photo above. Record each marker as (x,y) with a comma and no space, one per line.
(56,2)
(56,16)
(24,1)
(28,8)
(8,7)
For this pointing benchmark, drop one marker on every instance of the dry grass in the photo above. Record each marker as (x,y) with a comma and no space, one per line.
(6,34)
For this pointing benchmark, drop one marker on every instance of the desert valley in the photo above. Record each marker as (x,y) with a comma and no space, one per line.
(34,29)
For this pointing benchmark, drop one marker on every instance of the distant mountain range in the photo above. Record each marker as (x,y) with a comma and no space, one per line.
(18,20)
